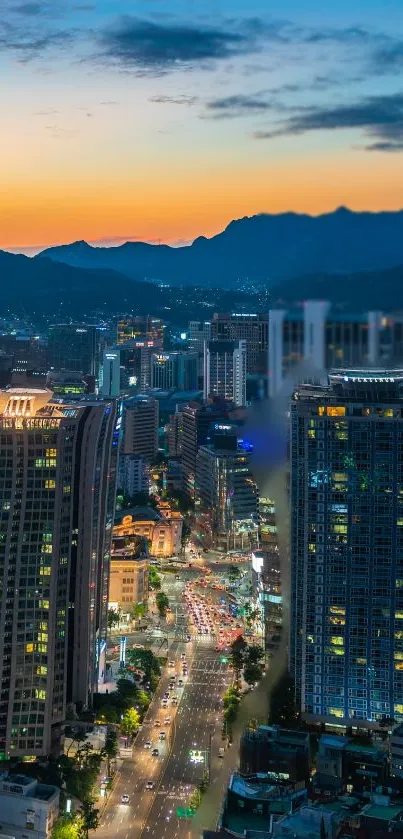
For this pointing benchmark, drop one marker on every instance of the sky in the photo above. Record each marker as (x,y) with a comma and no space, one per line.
(161,121)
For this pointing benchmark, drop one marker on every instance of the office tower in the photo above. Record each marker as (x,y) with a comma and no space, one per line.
(225,370)
(58,474)
(252,328)
(134,474)
(28,352)
(325,338)
(175,431)
(145,329)
(196,423)
(226,491)
(111,373)
(198,333)
(140,427)
(75,347)
(346,638)
(174,370)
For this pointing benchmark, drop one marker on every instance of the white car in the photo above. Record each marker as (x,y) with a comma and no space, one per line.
(147,744)
(150,785)
(125,798)
(167,721)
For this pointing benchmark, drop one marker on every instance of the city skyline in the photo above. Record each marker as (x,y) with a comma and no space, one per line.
(229,127)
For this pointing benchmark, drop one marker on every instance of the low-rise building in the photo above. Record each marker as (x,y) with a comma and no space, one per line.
(280,755)
(161,528)
(128,581)
(28,809)
(348,764)
(256,806)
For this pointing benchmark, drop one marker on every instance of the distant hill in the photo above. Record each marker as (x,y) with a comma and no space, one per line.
(363,291)
(263,249)
(43,289)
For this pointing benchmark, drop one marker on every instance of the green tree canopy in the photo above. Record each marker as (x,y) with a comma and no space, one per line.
(162,603)
(113,618)
(130,722)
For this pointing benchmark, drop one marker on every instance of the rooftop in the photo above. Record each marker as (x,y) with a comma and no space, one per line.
(384,812)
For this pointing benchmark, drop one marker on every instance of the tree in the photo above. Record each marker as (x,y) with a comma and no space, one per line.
(66,827)
(138,610)
(252,673)
(111,748)
(162,603)
(113,618)
(77,736)
(90,817)
(154,579)
(238,650)
(255,654)
(146,661)
(130,722)
(143,700)
(234,572)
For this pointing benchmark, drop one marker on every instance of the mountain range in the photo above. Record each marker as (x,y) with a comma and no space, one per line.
(263,250)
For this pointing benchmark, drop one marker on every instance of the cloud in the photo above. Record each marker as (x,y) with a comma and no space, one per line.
(29,46)
(155,48)
(239,105)
(182,99)
(59,133)
(389,59)
(29,9)
(379,117)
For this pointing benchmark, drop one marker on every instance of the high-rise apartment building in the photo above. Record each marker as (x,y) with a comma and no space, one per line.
(252,328)
(199,332)
(225,371)
(329,338)
(57,495)
(174,370)
(346,636)
(75,347)
(140,427)
(144,329)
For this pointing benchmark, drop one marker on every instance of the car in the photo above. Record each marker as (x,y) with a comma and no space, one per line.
(171,663)
(162,735)
(167,721)
(183,656)
(174,701)
(188,637)
(164,703)
(147,744)
(157,724)
(155,753)
(150,785)
(180,683)
(125,798)
(166,694)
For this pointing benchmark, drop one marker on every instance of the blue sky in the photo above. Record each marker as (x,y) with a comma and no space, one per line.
(164,120)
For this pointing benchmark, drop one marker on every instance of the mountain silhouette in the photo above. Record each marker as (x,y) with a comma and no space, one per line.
(262,249)
(43,289)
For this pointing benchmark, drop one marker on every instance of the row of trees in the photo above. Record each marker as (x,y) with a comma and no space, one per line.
(247,661)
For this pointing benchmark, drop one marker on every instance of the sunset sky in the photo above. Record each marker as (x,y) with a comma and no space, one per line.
(162,120)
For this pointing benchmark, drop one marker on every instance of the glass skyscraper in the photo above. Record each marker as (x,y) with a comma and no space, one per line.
(346,638)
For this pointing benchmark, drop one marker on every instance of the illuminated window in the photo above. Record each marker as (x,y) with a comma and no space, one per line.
(399,616)
(399,665)
(311,433)
(39,462)
(321,411)
(29,648)
(42,648)
(43,626)
(399,522)
(336,712)
(45,571)
(336,411)
(47,549)
(312,547)
(361,661)
(50,484)
(341,435)
(67,488)
(43,604)
(340,476)
(398,709)
(47,537)
(51,452)
(337,610)
(40,694)
(334,650)
(338,640)
(399,635)
(42,636)
(398,656)
(41,670)
(337,621)
(399,583)
(339,528)
(309,638)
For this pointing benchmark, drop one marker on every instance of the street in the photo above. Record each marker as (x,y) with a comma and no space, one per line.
(195,725)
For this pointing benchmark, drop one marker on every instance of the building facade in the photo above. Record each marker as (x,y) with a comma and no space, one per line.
(225,371)
(27,807)
(111,373)
(252,328)
(162,530)
(346,638)
(140,427)
(134,474)
(141,329)
(128,583)
(57,495)
(76,347)
(196,424)
(174,370)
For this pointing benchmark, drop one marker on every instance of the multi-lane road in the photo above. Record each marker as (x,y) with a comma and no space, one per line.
(195,725)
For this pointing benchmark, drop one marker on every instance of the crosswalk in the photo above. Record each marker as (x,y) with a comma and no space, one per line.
(207,666)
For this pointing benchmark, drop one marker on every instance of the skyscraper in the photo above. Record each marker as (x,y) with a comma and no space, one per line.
(75,347)
(195,425)
(57,474)
(140,427)
(174,370)
(225,370)
(140,328)
(252,328)
(346,637)
(111,373)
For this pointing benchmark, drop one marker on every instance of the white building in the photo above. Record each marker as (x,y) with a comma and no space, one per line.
(134,474)
(225,370)
(28,809)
